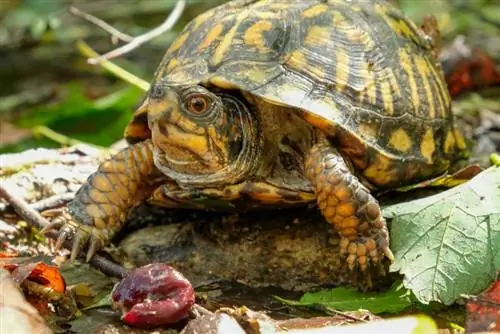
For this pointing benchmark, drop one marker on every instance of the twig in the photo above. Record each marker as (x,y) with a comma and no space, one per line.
(101,24)
(201,310)
(87,51)
(43,131)
(34,218)
(330,310)
(141,39)
(52,202)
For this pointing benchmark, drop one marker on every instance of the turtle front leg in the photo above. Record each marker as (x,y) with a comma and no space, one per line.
(102,204)
(348,205)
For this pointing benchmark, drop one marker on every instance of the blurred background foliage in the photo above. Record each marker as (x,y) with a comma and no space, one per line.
(45,81)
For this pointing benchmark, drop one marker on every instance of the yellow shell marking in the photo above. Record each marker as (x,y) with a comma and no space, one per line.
(317,36)
(459,139)
(424,74)
(297,60)
(353,32)
(212,35)
(222,83)
(173,63)
(256,75)
(386,93)
(405,61)
(402,28)
(200,19)
(381,171)
(315,11)
(394,84)
(399,26)
(443,95)
(341,56)
(400,141)
(437,99)
(265,15)
(428,146)
(341,68)
(254,35)
(226,42)
(178,42)
(317,72)
(449,142)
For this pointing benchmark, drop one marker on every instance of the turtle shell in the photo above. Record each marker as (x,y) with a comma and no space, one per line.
(359,70)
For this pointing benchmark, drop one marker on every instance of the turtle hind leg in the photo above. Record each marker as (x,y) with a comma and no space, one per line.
(348,205)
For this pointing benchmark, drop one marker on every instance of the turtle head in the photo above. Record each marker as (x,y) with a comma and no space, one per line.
(200,137)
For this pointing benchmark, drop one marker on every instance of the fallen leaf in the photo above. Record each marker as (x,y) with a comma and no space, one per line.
(448,244)
(40,273)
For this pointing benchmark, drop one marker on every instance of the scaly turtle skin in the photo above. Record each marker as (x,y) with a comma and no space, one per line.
(274,103)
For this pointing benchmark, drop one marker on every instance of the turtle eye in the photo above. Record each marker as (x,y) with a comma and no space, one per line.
(197,103)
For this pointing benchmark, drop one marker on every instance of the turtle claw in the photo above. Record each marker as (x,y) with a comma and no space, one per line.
(82,236)
(55,225)
(388,253)
(77,242)
(63,236)
(95,244)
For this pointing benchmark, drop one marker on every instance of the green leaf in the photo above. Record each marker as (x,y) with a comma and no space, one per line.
(448,244)
(350,299)
(100,122)
(91,288)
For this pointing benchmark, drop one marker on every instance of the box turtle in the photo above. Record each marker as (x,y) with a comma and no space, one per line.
(276,103)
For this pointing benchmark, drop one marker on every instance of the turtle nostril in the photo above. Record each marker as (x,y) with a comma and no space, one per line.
(157,92)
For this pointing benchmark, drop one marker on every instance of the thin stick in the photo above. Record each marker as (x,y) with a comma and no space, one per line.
(43,131)
(87,51)
(141,39)
(34,218)
(101,24)
(52,202)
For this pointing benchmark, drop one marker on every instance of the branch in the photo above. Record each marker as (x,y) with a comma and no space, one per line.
(35,219)
(101,24)
(86,50)
(135,42)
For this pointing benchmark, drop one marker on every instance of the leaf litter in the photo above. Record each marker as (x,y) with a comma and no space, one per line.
(448,245)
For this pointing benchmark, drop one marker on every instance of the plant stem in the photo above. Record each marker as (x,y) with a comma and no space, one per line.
(88,52)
